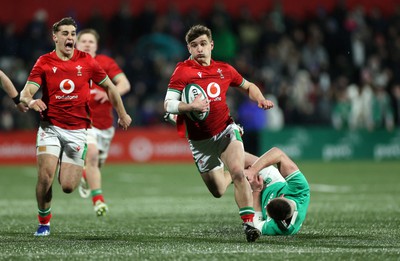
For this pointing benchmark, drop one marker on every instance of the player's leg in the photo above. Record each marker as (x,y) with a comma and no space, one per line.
(88,175)
(99,142)
(70,175)
(47,166)
(206,156)
(233,157)
(72,158)
(93,177)
(48,149)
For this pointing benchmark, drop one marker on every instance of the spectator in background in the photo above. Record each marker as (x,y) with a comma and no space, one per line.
(361,98)
(382,116)
(37,35)
(340,114)
(275,117)
(350,37)
(396,102)
(253,120)
(224,37)
(102,132)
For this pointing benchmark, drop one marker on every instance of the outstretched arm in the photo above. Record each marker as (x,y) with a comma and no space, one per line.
(256,95)
(12,92)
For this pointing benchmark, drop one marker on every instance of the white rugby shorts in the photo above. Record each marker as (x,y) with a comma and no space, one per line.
(68,145)
(206,153)
(102,139)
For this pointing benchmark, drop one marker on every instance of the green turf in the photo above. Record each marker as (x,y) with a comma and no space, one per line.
(164,212)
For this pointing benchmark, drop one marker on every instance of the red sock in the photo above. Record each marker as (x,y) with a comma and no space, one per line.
(97,197)
(44,220)
(247,218)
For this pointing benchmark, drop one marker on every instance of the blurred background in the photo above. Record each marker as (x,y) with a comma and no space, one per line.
(331,67)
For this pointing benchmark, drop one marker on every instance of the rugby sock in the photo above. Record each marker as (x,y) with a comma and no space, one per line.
(97,194)
(247,214)
(44,216)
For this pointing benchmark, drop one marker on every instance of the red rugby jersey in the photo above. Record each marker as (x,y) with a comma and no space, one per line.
(215,80)
(65,88)
(102,113)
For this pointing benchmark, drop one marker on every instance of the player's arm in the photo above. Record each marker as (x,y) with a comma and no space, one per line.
(257,186)
(256,95)
(123,86)
(27,97)
(122,83)
(124,119)
(249,159)
(11,91)
(173,104)
(275,156)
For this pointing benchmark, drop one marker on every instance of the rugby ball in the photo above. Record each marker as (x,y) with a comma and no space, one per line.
(189,93)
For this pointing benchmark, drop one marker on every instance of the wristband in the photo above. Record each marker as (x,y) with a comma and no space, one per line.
(16,99)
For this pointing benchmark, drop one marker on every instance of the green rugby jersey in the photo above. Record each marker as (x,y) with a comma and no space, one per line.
(295,188)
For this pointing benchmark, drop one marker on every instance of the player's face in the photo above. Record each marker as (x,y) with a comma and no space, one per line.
(87,43)
(65,40)
(200,49)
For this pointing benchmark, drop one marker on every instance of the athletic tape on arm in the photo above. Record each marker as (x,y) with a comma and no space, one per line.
(172,100)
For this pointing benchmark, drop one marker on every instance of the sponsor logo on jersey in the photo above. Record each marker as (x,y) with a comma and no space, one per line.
(54,69)
(67,86)
(199,74)
(213,91)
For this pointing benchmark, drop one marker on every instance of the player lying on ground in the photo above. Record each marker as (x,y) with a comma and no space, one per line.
(281,194)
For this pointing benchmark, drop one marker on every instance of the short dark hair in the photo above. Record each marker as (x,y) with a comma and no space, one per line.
(89,31)
(64,21)
(196,31)
(279,209)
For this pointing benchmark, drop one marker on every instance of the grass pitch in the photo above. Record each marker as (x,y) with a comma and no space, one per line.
(165,212)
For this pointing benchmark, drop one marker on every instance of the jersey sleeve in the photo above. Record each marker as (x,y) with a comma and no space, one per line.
(237,78)
(36,75)
(111,68)
(178,80)
(298,186)
(98,74)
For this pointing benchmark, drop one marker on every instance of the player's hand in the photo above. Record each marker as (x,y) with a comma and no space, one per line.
(101,97)
(257,184)
(124,121)
(22,107)
(37,105)
(199,104)
(250,174)
(265,104)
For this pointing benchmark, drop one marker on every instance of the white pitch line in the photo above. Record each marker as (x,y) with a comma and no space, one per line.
(329,188)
